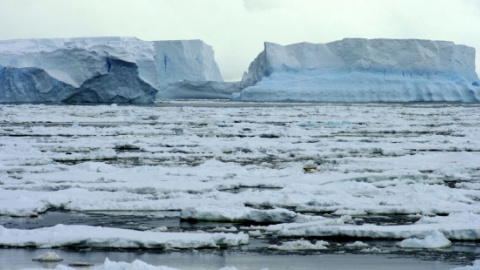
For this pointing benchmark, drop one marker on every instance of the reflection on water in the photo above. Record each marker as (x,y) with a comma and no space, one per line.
(212,260)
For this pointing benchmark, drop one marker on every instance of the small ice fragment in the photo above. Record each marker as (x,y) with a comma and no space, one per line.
(357,244)
(160,229)
(48,257)
(300,245)
(256,233)
(223,229)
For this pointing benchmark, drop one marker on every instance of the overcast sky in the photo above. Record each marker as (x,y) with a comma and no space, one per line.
(236,29)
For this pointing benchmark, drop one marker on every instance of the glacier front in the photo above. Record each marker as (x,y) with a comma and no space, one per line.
(363,70)
(100,70)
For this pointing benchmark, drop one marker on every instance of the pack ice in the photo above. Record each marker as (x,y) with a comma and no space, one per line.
(363,70)
(103,70)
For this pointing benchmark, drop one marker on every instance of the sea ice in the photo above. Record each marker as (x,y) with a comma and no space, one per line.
(414,166)
(102,237)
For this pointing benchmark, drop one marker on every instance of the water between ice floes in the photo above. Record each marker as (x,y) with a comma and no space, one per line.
(255,256)
(212,260)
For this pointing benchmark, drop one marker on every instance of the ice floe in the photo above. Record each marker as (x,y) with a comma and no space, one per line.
(102,237)
(434,240)
(48,257)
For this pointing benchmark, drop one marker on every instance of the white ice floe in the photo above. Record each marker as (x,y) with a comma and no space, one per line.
(301,245)
(434,240)
(357,244)
(48,257)
(454,230)
(243,214)
(102,237)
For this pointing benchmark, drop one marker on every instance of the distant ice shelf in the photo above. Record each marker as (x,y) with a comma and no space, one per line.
(363,70)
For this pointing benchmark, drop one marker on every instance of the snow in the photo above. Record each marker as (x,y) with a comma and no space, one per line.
(434,240)
(363,70)
(99,237)
(66,65)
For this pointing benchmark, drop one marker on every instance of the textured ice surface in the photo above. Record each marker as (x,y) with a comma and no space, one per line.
(75,62)
(434,240)
(363,70)
(223,164)
(100,237)
(48,257)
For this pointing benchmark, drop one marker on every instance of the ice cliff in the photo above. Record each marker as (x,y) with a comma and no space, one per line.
(363,70)
(100,70)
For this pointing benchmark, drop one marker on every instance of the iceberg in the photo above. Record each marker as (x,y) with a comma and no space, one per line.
(363,70)
(100,70)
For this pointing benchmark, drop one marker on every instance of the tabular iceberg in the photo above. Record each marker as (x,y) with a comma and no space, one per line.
(100,70)
(363,70)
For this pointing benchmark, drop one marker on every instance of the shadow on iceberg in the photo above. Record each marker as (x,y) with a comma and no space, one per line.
(121,84)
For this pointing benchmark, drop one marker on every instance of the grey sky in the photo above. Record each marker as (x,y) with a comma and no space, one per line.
(237,28)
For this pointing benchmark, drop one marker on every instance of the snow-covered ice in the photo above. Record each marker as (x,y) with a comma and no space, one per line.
(414,165)
(100,237)
(301,245)
(363,70)
(48,257)
(434,240)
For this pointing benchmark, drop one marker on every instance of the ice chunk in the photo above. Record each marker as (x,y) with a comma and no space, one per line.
(48,257)
(301,245)
(357,244)
(245,214)
(363,70)
(434,240)
(88,236)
